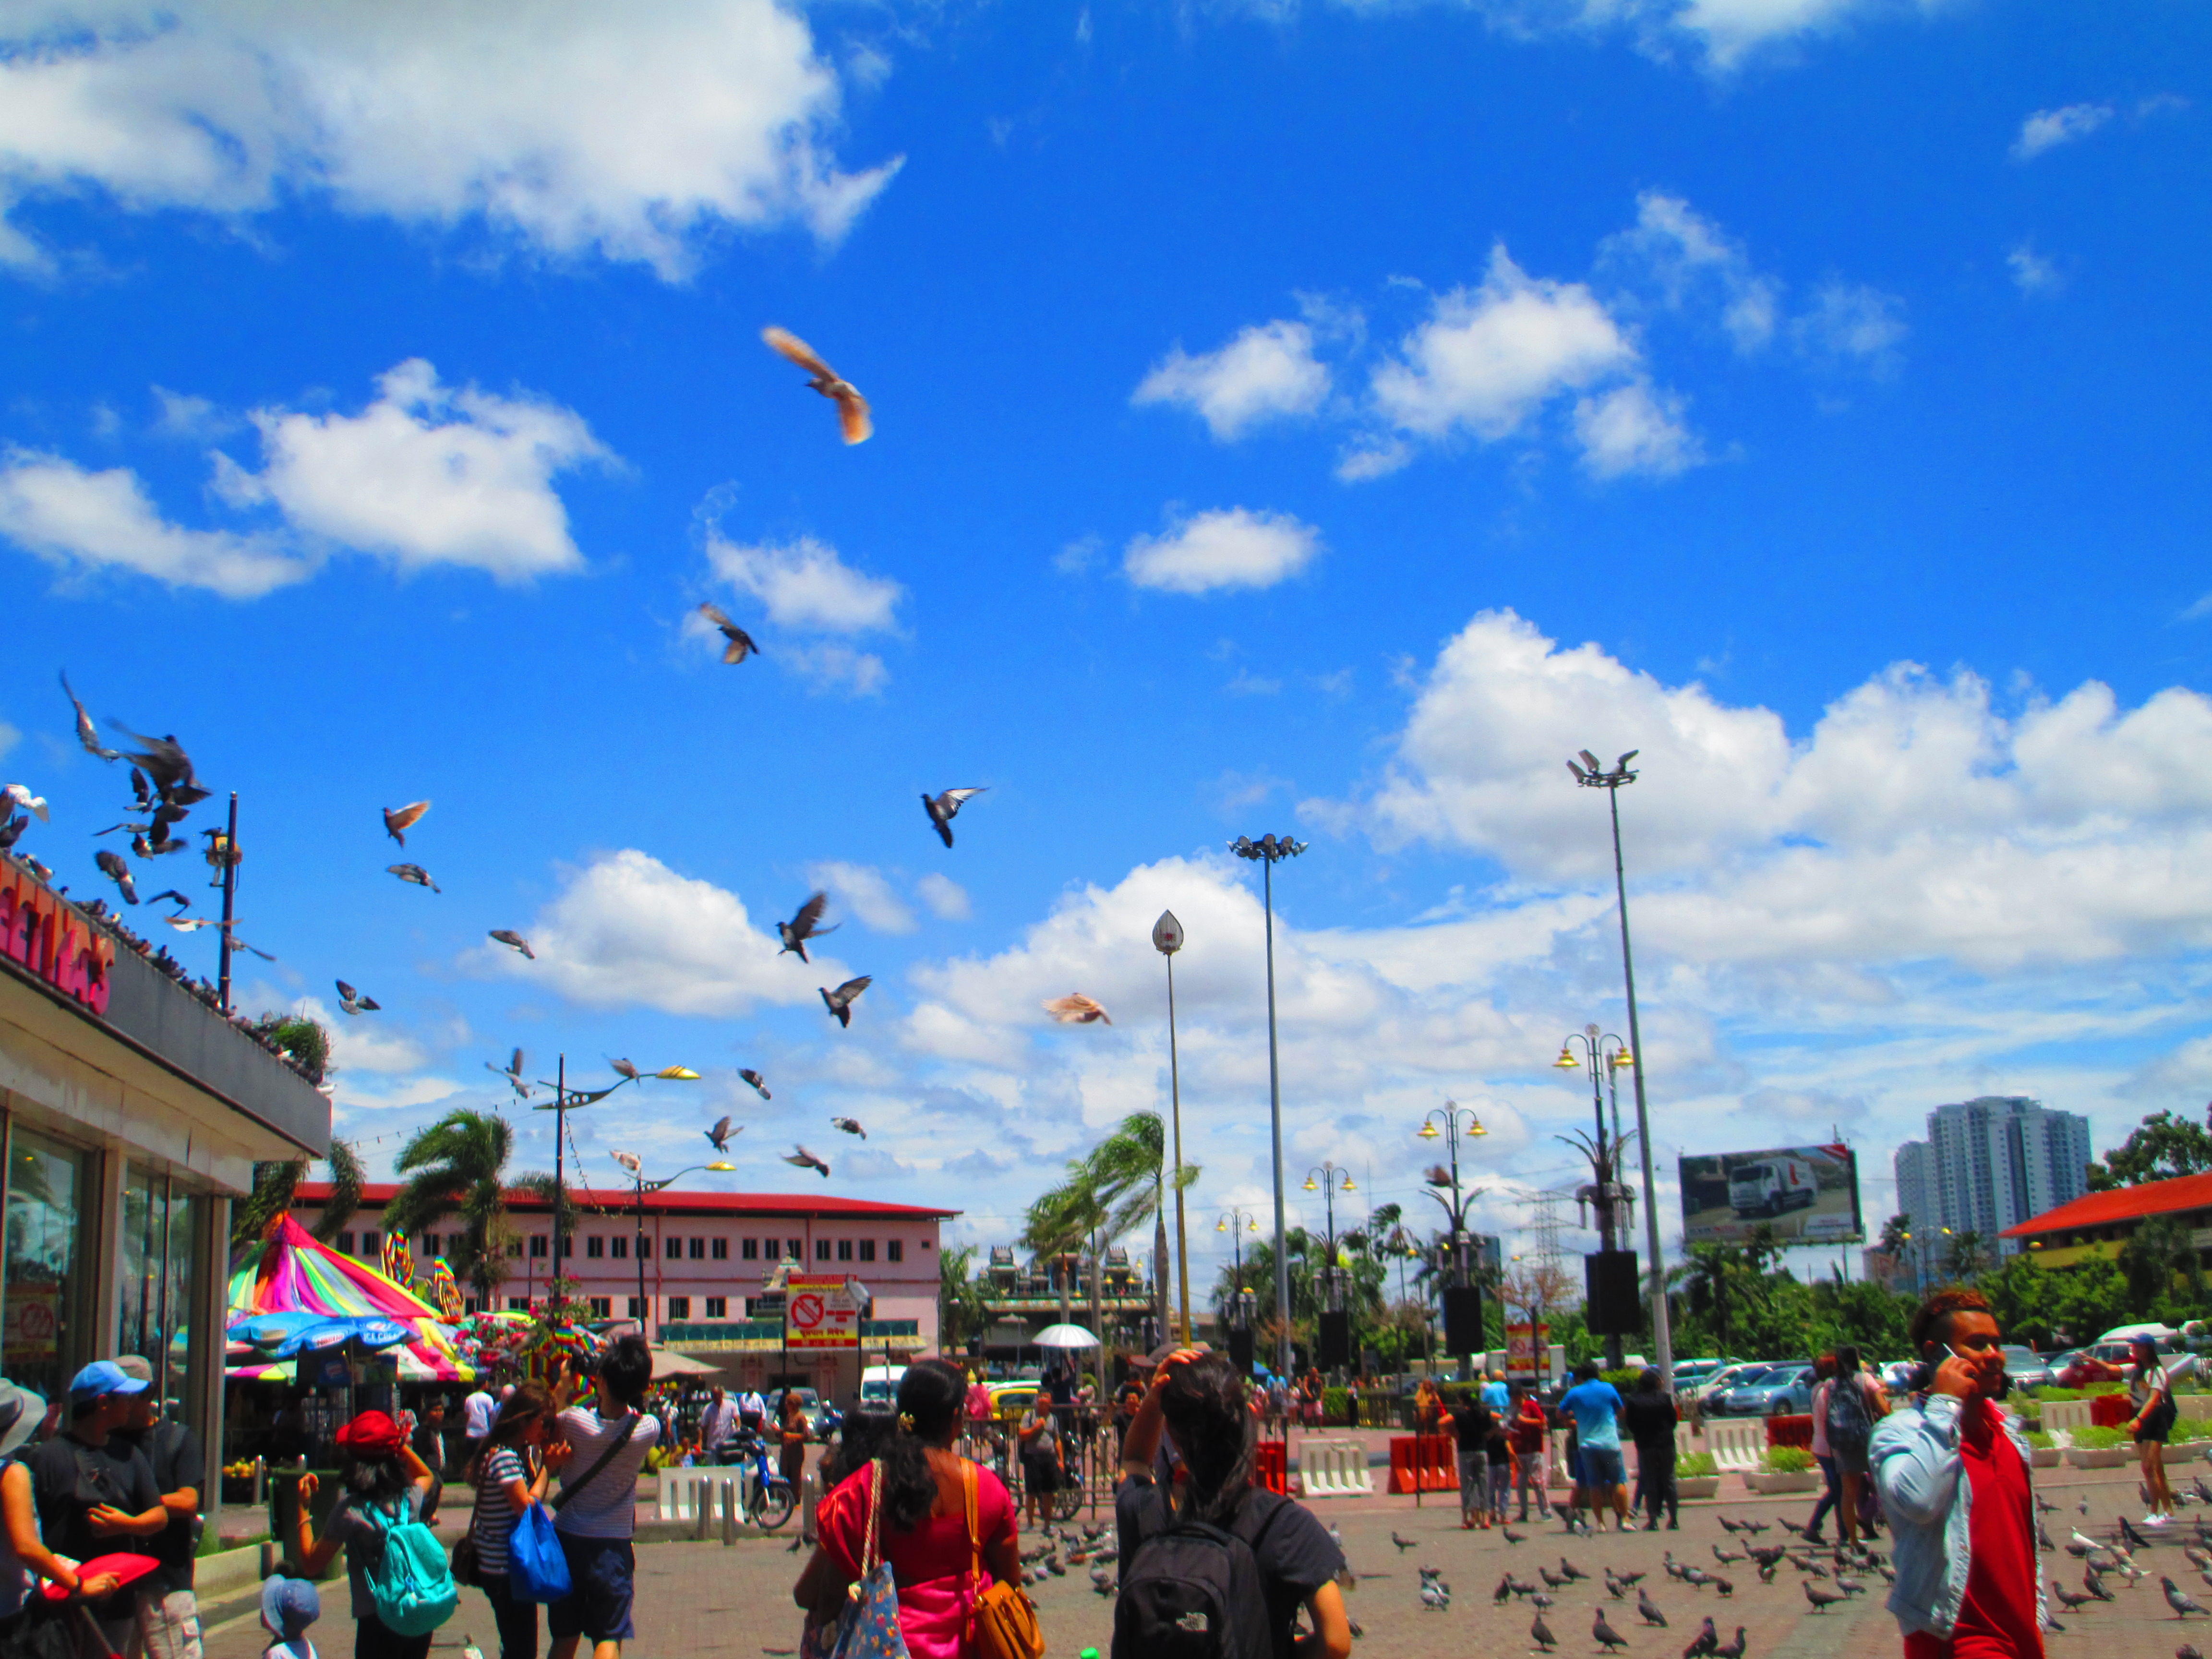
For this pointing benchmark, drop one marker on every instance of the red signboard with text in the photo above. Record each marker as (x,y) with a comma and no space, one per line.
(819,1312)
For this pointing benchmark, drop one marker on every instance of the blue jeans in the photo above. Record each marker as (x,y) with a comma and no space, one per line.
(1828,1498)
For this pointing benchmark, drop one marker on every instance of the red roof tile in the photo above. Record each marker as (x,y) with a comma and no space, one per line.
(375,1194)
(2192,1192)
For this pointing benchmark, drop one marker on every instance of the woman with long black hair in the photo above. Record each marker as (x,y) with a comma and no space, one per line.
(384,1481)
(1202,1402)
(509,1473)
(2151,1392)
(922,1521)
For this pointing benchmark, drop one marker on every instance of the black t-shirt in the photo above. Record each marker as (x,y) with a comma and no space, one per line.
(1297,1556)
(173,1451)
(1473,1425)
(1650,1418)
(70,1479)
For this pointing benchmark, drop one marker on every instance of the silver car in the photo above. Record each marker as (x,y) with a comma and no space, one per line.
(1778,1391)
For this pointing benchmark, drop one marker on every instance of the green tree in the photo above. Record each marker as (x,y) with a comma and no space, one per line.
(276,1183)
(1896,1236)
(2091,1297)
(1970,1256)
(2159,1247)
(2159,1148)
(458,1166)
(963,1299)
(1117,1187)
(2024,1298)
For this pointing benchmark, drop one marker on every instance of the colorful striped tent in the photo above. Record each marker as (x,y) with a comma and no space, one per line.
(292,1294)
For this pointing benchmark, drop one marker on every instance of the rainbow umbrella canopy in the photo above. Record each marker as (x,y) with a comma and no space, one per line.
(292,1295)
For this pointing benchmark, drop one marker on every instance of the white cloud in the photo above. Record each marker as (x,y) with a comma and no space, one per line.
(638,133)
(1855,325)
(1489,357)
(827,666)
(2047,128)
(1689,259)
(627,931)
(804,584)
(947,898)
(1227,548)
(1635,428)
(426,475)
(2030,271)
(363,1043)
(184,416)
(82,522)
(1268,371)
(863,889)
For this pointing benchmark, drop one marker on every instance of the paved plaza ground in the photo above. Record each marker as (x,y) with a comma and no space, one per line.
(709,1599)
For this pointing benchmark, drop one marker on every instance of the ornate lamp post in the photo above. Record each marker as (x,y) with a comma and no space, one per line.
(1236,1224)
(637,1249)
(1603,1054)
(1455,1208)
(1328,1188)
(1167,939)
(1267,851)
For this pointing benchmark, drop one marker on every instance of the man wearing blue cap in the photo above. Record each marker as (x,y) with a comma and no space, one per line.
(95,1493)
(168,1612)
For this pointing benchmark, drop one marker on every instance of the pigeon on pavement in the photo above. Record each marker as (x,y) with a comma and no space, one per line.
(1540,1634)
(1604,1634)
(2178,1599)
(1703,1643)
(1733,1648)
(1822,1599)
(1649,1609)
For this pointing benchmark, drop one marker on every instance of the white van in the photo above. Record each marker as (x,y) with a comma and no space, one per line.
(879,1387)
(1772,1186)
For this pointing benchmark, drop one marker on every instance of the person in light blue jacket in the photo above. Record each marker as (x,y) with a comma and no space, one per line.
(1953,1468)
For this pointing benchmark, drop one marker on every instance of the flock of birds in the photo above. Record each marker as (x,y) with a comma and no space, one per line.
(164,788)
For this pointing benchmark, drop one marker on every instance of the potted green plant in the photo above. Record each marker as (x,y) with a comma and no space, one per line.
(2042,1451)
(1783,1469)
(1697,1475)
(2097,1448)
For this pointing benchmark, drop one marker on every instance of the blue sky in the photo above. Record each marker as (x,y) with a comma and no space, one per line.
(1321,417)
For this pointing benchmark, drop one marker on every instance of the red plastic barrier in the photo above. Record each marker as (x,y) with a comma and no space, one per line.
(2110,1411)
(1792,1430)
(1270,1469)
(1427,1459)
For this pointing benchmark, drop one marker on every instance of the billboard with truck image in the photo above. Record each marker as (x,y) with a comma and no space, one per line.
(1801,1194)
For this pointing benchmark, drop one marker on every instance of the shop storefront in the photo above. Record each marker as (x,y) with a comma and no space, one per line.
(131,1113)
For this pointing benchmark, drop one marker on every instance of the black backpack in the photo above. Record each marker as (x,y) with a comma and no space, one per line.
(1194,1591)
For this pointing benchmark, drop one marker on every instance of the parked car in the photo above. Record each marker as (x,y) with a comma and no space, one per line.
(1720,1381)
(809,1402)
(1777,1391)
(2026,1368)
(1691,1375)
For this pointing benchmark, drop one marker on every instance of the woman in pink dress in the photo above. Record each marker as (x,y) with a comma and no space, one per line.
(922,1529)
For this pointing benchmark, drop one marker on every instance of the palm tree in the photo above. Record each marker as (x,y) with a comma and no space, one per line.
(1897,1235)
(458,1165)
(276,1184)
(963,1299)
(1970,1257)
(1117,1186)
(1713,1283)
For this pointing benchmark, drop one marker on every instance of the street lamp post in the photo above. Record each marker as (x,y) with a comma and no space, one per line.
(1604,1055)
(1167,939)
(1267,850)
(1451,1112)
(637,1175)
(1591,775)
(1236,1224)
(564,1103)
(1326,1187)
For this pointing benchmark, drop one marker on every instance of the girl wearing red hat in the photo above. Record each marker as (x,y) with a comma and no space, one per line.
(380,1472)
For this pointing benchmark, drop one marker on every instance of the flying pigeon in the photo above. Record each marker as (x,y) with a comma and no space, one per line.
(1605,1635)
(1822,1599)
(629,1160)
(185,924)
(112,867)
(944,808)
(1540,1634)
(352,1000)
(23,798)
(415,873)
(839,1001)
(758,1082)
(2180,1600)
(514,941)
(741,644)
(1649,1609)
(237,944)
(11,829)
(852,408)
(399,820)
(851,1126)
(800,1158)
(168,765)
(513,1074)
(1076,1009)
(804,926)
(720,1133)
(86,733)
(183,903)
(624,1070)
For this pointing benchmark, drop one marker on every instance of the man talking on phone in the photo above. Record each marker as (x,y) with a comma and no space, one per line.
(1953,1470)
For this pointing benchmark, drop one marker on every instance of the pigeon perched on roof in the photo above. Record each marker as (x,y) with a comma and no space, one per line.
(853,420)
(839,1001)
(399,820)
(414,874)
(514,941)
(802,1158)
(944,807)
(759,1082)
(806,925)
(738,645)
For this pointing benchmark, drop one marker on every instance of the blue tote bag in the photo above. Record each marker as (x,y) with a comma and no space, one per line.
(537,1569)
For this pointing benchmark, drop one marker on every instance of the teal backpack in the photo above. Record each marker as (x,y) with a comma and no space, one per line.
(411,1582)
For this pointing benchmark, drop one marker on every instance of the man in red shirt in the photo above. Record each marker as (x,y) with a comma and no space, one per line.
(1954,1473)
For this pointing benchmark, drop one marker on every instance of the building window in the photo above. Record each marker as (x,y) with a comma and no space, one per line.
(751,1249)
(370,1242)
(514,1247)
(698,1250)
(844,1249)
(821,1250)
(430,1241)
(53,1256)
(795,1248)
(867,1249)
(518,1304)
(721,1249)
(679,1307)
(675,1250)
(717,1307)
(618,1246)
(345,1243)
(602,1306)
(894,1250)
(595,1247)
(636,1307)
(537,1247)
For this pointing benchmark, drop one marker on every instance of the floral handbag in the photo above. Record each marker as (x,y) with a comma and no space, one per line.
(867,1625)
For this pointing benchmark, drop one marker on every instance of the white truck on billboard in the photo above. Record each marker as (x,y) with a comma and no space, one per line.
(1773,1186)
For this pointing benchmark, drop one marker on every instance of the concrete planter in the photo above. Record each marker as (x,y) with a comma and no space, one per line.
(1769,1483)
(1690,1486)
(2045,1457)
(2098,1457)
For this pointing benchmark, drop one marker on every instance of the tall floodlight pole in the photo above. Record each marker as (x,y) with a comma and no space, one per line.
(222,854)
(1590,774)
(1167,939)
(1267,850)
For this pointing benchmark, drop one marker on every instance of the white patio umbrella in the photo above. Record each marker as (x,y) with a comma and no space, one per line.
(1065,1336)
(667,1363)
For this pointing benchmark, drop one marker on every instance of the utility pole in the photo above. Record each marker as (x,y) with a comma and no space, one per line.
(230,893)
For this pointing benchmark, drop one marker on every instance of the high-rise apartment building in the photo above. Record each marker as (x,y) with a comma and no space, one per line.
(1989,1164)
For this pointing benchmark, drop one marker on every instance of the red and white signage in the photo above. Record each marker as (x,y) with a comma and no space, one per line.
(819,1311)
